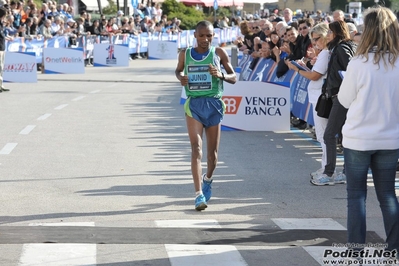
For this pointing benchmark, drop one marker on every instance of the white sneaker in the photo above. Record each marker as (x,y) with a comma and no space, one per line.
(317,172)
(340,178)
(323,180)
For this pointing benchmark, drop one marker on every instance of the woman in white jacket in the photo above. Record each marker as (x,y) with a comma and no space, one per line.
(370,91)
(319,39)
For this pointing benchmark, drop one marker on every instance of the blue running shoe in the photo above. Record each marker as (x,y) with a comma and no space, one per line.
(206,188)
(200,203)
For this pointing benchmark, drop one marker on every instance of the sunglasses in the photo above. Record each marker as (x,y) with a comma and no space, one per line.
(304,28)
(267,28)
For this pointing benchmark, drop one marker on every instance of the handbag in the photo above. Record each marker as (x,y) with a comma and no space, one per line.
(324,102)
(324,105)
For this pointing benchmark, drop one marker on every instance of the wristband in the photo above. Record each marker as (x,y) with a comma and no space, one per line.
(222,75)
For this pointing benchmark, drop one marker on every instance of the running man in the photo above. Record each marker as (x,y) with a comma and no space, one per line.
(199,71)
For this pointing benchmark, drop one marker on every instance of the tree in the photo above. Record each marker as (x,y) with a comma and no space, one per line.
(189,16)
(111,9)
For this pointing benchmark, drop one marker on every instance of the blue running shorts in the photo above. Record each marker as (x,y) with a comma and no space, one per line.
(207,110)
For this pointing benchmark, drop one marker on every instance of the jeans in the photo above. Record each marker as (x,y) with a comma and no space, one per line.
(383,167)
(335,123)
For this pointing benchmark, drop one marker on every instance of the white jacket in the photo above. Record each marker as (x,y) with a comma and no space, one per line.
(371,93)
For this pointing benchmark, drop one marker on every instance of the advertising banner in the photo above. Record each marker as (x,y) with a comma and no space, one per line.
(63,61)
(20,67)
(162,50)
(256,106)
(110,55)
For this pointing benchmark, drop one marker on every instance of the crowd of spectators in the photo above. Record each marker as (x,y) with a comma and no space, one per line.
(284,37)
(51,19)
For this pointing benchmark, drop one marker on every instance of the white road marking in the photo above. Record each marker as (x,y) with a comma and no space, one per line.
(61,106)
(27,130)
(188,223)
(58,254)
(308,223)
(63,224)
(215,255)
(44,117)
(79,98)
(95,91)
(66,254)
(7,149)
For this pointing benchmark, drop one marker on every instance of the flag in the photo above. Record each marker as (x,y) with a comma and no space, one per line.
(215,4)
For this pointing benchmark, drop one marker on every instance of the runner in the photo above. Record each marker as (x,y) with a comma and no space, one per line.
(199,70)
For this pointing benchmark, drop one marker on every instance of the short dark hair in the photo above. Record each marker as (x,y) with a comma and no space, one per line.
(3,12)
(204,24)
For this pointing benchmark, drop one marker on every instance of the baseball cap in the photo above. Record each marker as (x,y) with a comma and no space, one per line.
(70,20)
(120,12)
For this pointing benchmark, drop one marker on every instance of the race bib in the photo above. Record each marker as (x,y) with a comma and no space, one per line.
(199,78)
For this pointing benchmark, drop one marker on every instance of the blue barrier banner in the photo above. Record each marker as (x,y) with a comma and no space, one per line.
(284,80)
(300,105)
(143,42)
(35,46)
(245,70)
(263,70)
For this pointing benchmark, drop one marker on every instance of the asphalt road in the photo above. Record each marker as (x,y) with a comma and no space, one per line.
(95,170)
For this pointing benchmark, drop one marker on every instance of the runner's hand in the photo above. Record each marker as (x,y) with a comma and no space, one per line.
(183,80)
(214,71)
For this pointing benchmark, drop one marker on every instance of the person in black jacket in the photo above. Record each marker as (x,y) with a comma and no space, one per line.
(342,49)
(295,50)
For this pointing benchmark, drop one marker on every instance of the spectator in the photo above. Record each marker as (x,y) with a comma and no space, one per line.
(53,11)
(224,23)
(278,53)
(17,14)
(9,29)
(56,26)
(216,24)
(21,31)
(28,25)
(288,16)
(248,37)
(95,28)
(45,29)
(158,12)
(295,50)
(370,91)
(44,12)
(26,14)
(144,24)
(119,16)
(305,26)
(338,15)
(81,31)
(352,29)
(34,29)
(317,76)
(342,50)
